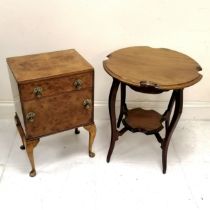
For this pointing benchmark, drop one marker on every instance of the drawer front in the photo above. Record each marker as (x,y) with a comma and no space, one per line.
(58,113)
(55,86)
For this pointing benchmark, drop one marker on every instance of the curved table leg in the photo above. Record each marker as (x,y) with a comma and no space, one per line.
(178,97)
(92,133)
(114,132)
(123,107)
(30,145)
(167,113)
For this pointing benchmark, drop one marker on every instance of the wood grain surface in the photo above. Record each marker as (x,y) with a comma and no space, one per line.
(55,86)
(47,65)
(146,121)
(58,113)
(158,67)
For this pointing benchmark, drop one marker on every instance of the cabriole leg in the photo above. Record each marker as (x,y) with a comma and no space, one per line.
(92,133)
(30,145)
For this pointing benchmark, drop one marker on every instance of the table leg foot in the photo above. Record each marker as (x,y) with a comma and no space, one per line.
(22,147)
(91,154)
(76,131)
(32,173)
(111,148)
(92,133)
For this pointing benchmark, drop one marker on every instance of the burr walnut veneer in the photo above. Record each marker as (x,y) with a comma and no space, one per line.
(53,92)
(153,71)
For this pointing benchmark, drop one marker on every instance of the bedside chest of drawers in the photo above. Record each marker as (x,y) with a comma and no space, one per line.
(53,92)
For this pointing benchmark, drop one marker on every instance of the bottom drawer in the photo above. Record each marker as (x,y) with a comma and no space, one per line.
(58,113)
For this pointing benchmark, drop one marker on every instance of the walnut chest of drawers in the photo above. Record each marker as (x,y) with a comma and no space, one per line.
(53,92)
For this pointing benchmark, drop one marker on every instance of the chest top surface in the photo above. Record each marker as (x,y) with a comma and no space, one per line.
(158,67)
(47,65)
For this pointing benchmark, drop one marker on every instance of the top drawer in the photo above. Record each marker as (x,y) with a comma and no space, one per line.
(54,86)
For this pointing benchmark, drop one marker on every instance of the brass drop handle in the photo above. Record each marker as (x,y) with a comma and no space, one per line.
(30,116)
(38,92)
(87,103)
(78,84)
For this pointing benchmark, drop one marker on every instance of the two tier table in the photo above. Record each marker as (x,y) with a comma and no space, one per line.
(151,71)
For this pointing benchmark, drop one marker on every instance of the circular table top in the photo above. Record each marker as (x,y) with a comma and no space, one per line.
(161,68)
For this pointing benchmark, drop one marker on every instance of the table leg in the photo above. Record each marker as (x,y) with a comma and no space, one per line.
(177,98)
(76,131)
(123,107)
(167,114)
(20,130)
(30,145)
(114,132)
(92,133)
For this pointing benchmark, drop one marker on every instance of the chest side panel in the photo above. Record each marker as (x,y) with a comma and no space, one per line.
(16,98)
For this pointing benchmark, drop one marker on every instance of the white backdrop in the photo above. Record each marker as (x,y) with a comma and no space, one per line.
(97,27)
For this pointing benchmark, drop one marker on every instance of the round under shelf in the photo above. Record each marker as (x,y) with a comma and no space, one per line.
(146,121)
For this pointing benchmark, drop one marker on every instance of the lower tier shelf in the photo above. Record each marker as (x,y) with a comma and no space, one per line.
(146,121)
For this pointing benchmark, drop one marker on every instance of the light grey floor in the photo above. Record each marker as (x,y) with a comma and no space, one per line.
(68,179)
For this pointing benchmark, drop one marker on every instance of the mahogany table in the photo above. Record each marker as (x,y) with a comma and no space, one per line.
(152,71)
